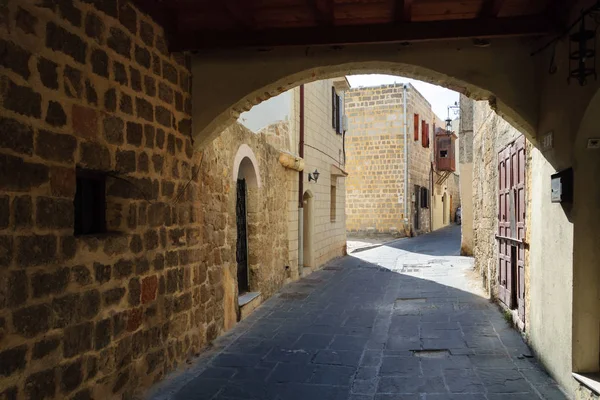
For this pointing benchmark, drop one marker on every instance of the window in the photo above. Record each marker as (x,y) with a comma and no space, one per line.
(90,203)
(424,197)
(332,207)
(337,112)
(444,153)
(416,127)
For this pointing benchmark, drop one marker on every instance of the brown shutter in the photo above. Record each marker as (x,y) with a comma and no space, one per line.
(416,127)
(333,108)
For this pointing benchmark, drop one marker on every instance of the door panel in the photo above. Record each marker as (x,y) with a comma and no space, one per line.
(242,237)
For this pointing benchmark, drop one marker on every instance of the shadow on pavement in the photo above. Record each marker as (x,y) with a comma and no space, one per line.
(356,331)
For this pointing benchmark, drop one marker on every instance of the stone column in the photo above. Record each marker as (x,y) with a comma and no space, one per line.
(466,174)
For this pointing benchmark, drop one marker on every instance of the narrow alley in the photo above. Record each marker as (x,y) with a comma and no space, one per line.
(403,321)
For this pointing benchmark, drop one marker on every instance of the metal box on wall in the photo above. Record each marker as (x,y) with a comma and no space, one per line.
(562,186)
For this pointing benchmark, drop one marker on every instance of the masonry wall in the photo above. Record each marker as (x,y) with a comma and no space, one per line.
(323,149)
(91,85)
(491,134)
(375,159)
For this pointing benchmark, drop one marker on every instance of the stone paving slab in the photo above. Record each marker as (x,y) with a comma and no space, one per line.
(375,326)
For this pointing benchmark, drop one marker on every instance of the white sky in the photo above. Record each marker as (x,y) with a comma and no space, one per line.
(439,97)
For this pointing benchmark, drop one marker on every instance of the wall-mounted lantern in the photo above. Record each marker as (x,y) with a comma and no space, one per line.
(582,54)
(313,176)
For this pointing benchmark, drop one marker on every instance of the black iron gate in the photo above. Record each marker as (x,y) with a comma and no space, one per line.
(242,237)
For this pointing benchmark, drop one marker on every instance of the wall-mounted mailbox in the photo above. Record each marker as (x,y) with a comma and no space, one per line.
(562,186)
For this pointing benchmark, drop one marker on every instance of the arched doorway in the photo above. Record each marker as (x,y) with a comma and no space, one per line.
(308,231)
(247,180)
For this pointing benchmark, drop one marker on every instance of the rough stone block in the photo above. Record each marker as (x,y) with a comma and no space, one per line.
(102,272)
(54,213)
(55,115)
(44,284)
(90,93)
(135,133)
(165,93)
(78,339)
(149,289)
(82,275)
(126,104)
(134,291)
(69,12)
(136,245)
(157,162)
(85,121)
(36,250)
(90,304)
(126,161)
(26,22)
(12,360)
(108,7)
(41,385)
(102,334)
(56,146)
(15,58)
(121,381)
(59,39)
(71,376)
(163,116)
(20,99)
(156,64)
(143,162)
(31,321)
(123,269)
(110,100)
(44,347)
(120,73)
(17,175)
(134,319)
(66,310)
(119,41)
(144,109)
(113,296)
(63,182)
(94,156)
(73,82)
(128,17)
(94,26)
(99,61)
(136,79)
(48,73)
(146,33)
(113,130)
(143,57)
(16,136)
(150,86)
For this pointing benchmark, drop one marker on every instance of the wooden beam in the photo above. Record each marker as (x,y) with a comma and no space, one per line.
(403,10)
(323,10)
(366,34)
(240,13)
(491,8)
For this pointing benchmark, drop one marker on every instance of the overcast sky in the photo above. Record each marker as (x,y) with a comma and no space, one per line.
(439,97)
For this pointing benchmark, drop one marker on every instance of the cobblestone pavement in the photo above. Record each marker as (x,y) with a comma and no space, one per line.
(404,321)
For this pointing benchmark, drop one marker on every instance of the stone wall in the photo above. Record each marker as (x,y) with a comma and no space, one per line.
(375,159)
(491,134)
(91,85)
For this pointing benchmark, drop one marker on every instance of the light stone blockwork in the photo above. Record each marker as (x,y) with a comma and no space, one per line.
(375,162)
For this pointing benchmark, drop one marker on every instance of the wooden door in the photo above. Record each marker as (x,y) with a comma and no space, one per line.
(518,172)
(504,264)
(242,237)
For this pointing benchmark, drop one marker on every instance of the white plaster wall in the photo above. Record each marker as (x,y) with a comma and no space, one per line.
(551,278)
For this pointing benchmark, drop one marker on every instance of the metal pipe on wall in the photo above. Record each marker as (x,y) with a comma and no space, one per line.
(406,195)
(301,188)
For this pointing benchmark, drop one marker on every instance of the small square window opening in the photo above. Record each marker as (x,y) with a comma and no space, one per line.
(90,203)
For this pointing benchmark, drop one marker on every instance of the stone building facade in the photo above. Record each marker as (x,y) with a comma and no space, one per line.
(375,194)
(89,89)
(324,235)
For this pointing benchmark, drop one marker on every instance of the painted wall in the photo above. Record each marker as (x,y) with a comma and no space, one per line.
(465,133)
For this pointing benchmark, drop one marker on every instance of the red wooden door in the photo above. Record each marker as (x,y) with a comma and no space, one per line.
(511,226)
(504,264)
(518,151)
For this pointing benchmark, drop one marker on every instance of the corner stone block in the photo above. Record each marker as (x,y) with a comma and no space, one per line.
(85,122)
(149,289)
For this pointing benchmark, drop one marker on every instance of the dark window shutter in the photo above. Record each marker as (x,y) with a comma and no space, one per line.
(416,127)
(333,107)
(340,109)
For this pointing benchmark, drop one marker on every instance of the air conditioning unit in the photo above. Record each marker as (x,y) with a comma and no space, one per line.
(344,123)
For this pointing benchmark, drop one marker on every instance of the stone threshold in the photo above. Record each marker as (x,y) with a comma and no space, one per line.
(591,380)
(249,302)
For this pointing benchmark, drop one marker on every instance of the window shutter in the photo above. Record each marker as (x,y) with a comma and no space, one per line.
(341,115)
(423,128)
(416,127)
(333,107)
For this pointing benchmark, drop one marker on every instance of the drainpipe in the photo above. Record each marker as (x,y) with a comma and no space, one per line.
(406,196)
(301,190)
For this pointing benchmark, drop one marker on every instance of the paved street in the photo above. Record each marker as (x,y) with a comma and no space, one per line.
(404,321)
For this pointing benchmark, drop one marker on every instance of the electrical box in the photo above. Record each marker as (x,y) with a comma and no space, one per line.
(562,186)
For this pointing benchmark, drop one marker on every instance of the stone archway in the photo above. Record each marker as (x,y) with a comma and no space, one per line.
(503,74)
